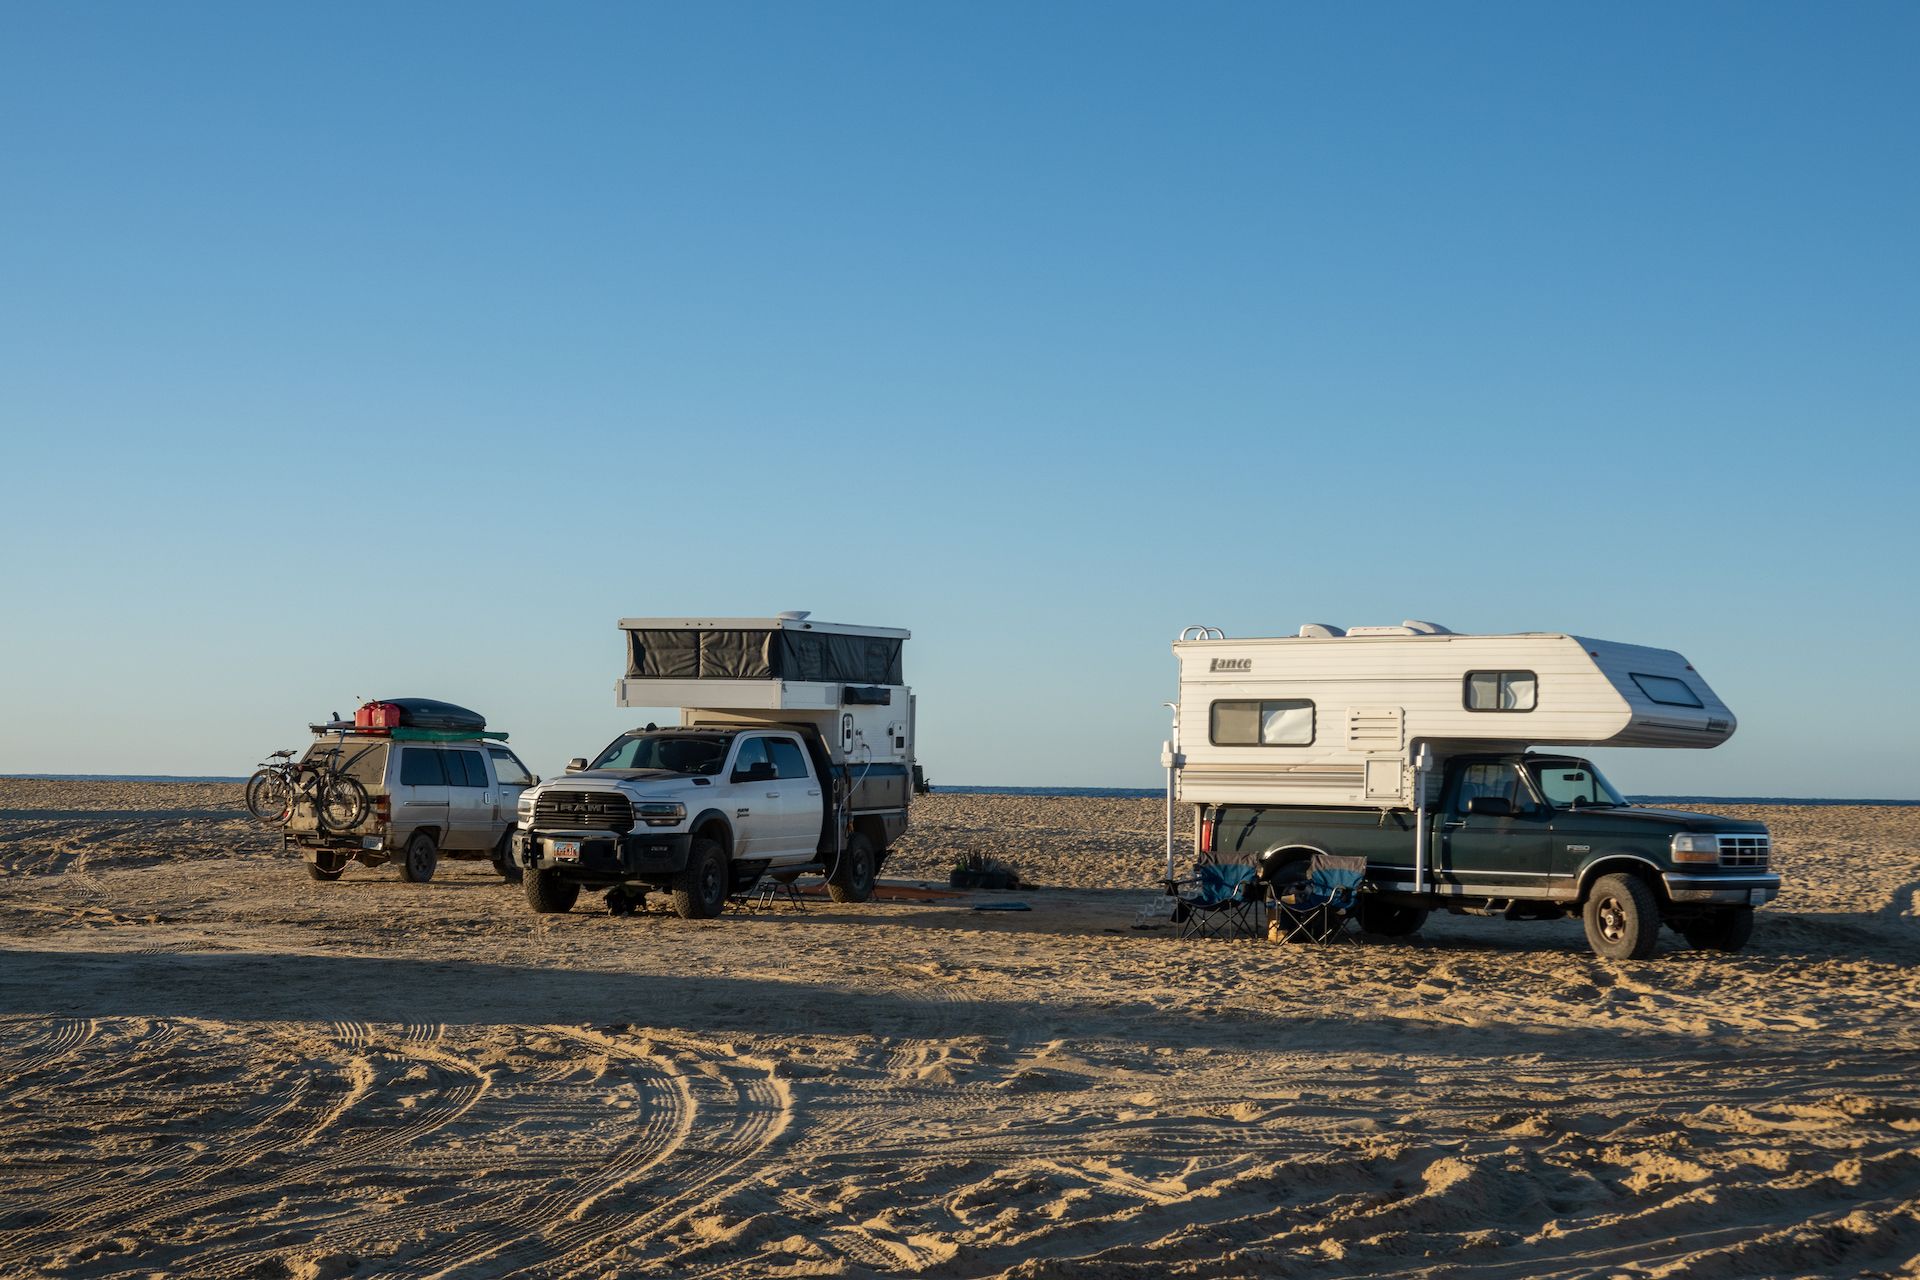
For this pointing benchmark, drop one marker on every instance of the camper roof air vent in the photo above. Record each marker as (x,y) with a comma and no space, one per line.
(794,615)
(1425,628)
(1320,631)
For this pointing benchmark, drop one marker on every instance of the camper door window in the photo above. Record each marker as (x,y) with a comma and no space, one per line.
(1502,691)
(1287,723)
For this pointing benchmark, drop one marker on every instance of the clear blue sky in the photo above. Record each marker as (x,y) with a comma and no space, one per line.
(367,349)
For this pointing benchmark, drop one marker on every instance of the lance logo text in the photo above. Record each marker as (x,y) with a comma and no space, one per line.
(1231,664)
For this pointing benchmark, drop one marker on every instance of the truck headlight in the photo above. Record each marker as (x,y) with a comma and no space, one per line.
(524,806)
(1691,847)
(661,813)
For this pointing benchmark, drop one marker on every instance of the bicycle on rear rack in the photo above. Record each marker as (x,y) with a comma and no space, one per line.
(283,784)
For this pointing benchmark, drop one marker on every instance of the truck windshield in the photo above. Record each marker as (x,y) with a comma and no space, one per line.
(1574,784)
(662,751)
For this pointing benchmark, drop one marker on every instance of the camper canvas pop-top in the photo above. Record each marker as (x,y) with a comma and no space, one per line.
(1332,740)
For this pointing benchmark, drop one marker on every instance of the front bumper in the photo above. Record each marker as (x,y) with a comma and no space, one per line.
(605,855)
(1733,891)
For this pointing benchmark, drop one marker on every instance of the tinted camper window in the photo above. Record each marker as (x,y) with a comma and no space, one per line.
(1668,691)
(1286,723)
(1502,691)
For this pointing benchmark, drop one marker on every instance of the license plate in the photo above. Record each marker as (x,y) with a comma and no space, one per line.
(568,850)
(1758,897)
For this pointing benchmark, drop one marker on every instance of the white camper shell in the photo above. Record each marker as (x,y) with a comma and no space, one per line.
(843,680)
(1332,717)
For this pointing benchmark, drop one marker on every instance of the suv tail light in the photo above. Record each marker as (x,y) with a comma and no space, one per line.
(383,808)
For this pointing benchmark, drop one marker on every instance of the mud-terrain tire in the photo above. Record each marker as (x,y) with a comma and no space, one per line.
(700,892)
(547,893)
(1728,930)
(419,858)
(1388,920)
(1622,916)
(503,858)
(327,865)
(853,875)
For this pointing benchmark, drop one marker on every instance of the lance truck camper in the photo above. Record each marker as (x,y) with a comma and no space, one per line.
(793,754)
(1435,756)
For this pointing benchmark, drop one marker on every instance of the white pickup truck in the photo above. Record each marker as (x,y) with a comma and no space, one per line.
(704,813)
(794,754)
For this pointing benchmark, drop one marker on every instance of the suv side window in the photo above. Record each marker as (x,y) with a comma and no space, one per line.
(753,751)
(1493,778)
(507,767)
(788,760)
(469,763)
(421,767)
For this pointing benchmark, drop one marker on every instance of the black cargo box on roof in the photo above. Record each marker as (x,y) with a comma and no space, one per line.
(431,713)
(780,654)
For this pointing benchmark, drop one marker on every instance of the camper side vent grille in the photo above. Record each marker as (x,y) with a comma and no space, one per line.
(1744,851)
(582,811)
(1374,728)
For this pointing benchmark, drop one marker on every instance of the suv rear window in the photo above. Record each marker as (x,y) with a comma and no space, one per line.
(363,761)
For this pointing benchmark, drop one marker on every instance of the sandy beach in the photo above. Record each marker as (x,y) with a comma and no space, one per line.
(217,1067)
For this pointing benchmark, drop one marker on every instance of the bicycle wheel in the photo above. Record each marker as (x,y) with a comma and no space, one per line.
(270,796)
(341,802)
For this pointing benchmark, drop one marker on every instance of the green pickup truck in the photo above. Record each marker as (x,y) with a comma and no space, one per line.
(1525,836)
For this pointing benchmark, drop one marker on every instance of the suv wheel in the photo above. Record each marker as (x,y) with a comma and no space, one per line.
(503,858)
(1387,920)
(700,892)
(1727,930)
(1622,918)
(327,864)
(852,879)
(420,857)
(547,893)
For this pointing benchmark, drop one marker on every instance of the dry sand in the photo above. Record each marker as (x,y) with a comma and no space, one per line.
(215,1067)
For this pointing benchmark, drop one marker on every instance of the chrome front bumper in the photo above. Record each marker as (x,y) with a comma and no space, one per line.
(1732,891)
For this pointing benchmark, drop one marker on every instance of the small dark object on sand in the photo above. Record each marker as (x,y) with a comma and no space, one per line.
(1003,906)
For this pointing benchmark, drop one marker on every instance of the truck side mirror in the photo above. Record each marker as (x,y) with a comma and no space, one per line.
(1490,807)
(576,764)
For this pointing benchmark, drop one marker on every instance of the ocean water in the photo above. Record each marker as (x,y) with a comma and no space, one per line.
(1100,793)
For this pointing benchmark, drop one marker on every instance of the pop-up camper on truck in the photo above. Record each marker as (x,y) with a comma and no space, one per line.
(794,754)
(1411,745)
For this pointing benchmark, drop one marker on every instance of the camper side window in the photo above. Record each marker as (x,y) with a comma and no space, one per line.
(1287,723)
(1667,690)
(1502,691)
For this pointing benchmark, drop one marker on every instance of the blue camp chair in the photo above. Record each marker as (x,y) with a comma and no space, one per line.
(1316,909)
(1220,900)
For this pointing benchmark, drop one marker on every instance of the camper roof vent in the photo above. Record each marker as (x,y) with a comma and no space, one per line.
(1425,628)
(1321,631)
(794,615)
(1407,628)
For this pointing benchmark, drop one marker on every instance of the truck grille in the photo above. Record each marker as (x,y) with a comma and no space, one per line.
(1745,851)
(582,811)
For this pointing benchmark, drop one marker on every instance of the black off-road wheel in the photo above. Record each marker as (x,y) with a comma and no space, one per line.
(419,858)
(327,864)
(503,858)
(852,879)
(1728,930)
(1388,920)
(1622,916)
(547,893)
(700,892)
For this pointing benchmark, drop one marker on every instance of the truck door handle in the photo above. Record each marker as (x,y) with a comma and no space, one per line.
(814,791)
(773,795)
(1451,826)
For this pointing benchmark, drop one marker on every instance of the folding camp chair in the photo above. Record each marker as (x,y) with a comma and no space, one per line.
(1315,909)
(1220,900)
